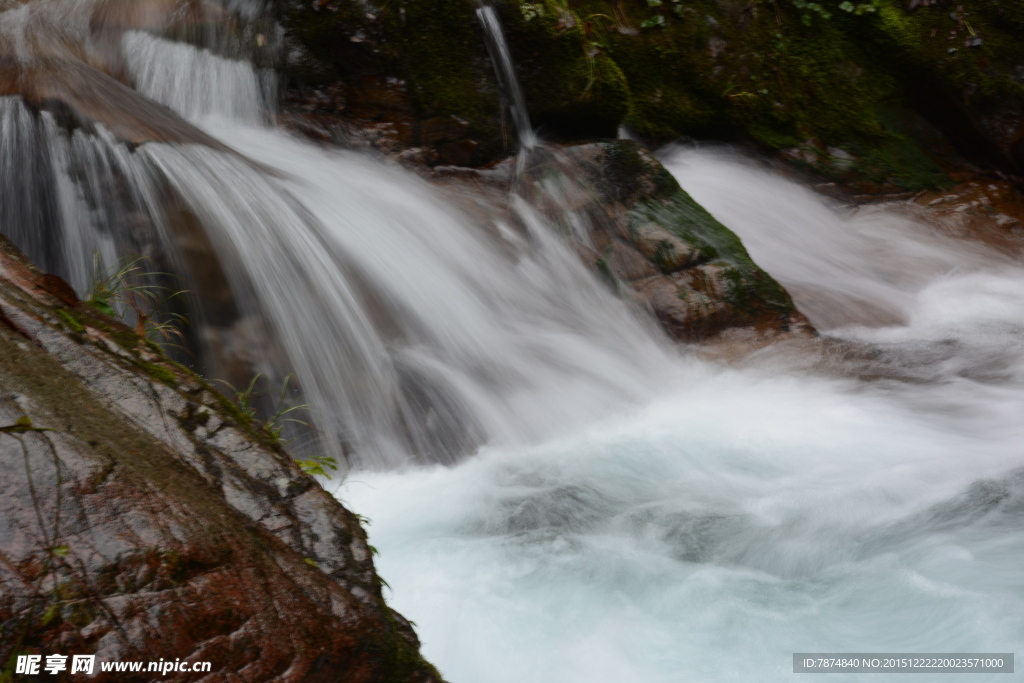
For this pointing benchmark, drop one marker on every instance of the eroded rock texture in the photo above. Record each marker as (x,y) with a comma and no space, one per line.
(151,520)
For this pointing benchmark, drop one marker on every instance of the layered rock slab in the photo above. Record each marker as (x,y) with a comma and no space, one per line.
(145,518)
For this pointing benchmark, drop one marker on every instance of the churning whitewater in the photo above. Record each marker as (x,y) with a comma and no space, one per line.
(628,511)
(746,514)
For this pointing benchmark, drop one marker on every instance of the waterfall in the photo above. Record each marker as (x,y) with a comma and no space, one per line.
(630,513)
(417,333)
(68,196)
(504,69)
(197,83)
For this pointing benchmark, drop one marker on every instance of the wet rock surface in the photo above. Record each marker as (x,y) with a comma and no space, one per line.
(629,220)
(417,74)
(693,273)
(986,209)
(144,517)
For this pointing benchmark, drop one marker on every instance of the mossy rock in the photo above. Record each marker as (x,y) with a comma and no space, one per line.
(437,51)
(785,74)
(434,50)
(573,90)
(694,254)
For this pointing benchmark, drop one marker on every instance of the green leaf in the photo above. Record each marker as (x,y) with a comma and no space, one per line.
(51,613)
(61,551)
(104,307)
(311,562)
(318,466)
(23,424)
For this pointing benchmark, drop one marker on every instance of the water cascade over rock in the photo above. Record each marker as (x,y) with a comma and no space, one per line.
(560,491)
(416,331)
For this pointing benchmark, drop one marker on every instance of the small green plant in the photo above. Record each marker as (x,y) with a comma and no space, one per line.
(805,18)
(244,398)
(273,427)
(820,10)
(22,425)
(126,291)
(318,466)
(859,8)
(531,11)
(657,20)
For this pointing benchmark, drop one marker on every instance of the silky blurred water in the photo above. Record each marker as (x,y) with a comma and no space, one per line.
(613,508)
(748,514)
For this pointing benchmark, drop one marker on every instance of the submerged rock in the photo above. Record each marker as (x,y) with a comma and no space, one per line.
(145,517)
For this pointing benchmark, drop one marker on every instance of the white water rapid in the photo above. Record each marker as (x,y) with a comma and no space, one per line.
(629,513)
(746,514)
(841,266)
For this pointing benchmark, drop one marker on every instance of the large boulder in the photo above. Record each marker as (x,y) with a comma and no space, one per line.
(650,241)
(145,517)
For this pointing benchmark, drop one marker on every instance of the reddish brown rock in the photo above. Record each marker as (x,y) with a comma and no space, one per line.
(145,518)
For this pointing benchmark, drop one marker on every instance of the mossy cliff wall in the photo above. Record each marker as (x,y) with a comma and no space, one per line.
(882,89)
(864,89)
(422,67)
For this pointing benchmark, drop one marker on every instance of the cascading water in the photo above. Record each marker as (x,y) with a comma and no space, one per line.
(748,514)
(841,268)
(65,194)
(413,331)
(197,84)
(714,522)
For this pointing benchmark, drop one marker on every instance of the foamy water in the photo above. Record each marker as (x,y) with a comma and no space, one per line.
(751,513)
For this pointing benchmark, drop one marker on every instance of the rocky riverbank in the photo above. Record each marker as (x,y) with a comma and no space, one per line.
(146,517)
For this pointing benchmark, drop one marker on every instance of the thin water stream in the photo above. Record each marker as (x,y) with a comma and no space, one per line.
(629,513)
